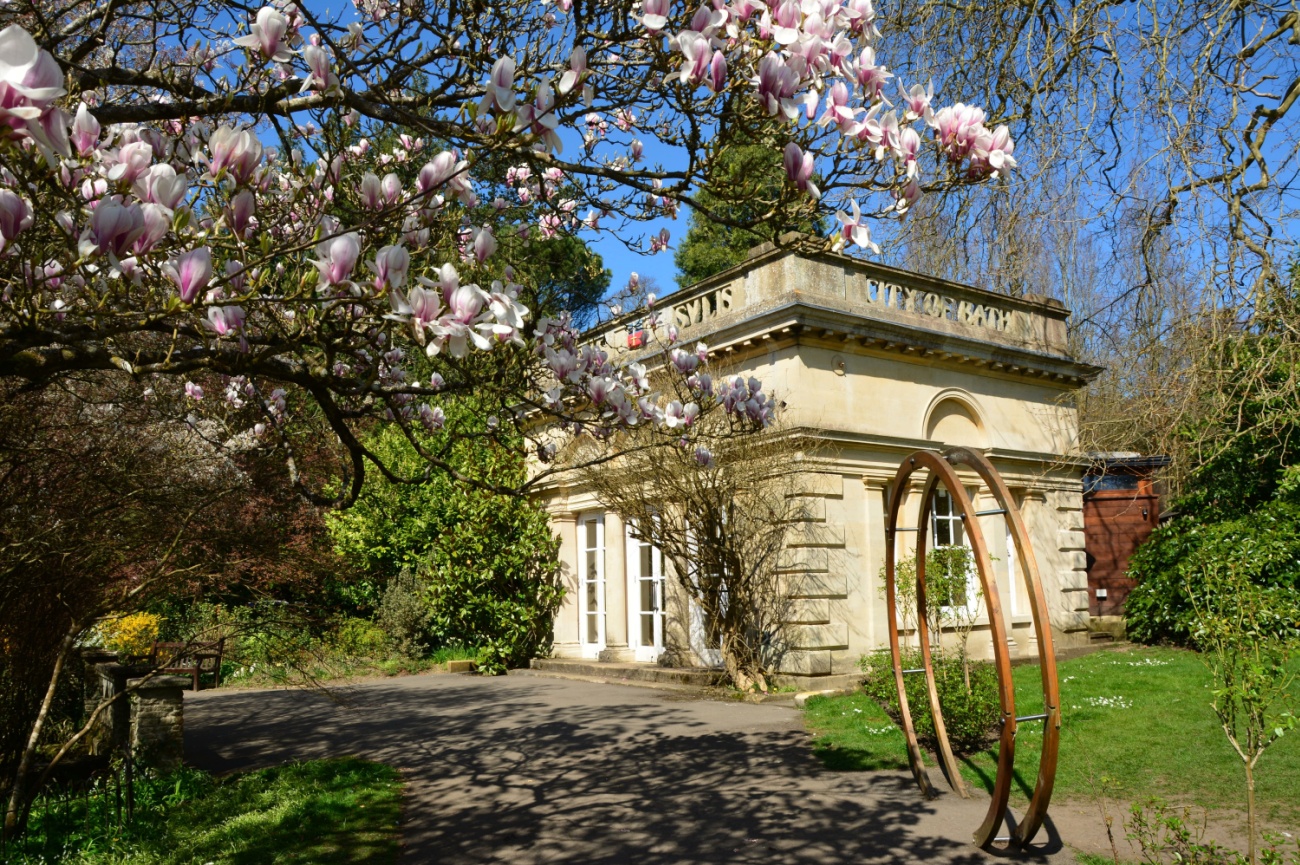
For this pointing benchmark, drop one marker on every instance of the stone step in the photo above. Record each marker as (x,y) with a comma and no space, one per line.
(698,677)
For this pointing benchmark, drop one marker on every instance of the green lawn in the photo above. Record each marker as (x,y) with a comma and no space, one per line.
(1136,723)
(325,812)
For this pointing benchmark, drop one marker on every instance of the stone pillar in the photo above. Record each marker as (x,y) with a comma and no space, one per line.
(568,618)
(158,720)
(616,648)
(995,535)
(113,722)
(877,490)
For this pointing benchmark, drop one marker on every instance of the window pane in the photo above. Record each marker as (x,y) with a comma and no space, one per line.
(647,595)
(591,534)
(957,532)
(942,532)
(647,630)
(592,601)
(593,631)
(592,571)
(942,503)
(647,560)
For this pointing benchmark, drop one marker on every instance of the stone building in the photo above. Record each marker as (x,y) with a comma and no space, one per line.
(880,362)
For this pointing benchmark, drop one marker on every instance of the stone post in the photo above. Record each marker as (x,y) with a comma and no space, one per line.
(158,720)
(616,648)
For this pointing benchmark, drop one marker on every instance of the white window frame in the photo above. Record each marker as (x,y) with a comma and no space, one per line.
(953,518)
(645,654)
(585,579)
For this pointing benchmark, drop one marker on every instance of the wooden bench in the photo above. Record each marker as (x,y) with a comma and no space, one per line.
(189,659)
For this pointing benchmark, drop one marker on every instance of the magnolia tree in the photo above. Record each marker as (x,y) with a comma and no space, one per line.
(268,209)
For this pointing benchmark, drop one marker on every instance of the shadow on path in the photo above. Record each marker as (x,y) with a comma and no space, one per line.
(526,770)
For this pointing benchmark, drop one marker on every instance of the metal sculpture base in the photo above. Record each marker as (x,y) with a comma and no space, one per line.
(941,468)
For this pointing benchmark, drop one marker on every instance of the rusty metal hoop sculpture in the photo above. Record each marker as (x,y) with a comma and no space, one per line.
(941,470)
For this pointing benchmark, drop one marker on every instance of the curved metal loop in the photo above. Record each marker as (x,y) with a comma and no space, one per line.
(1042,796)
(941,470)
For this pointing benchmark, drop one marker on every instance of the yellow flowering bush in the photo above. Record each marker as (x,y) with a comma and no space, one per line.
(131,634)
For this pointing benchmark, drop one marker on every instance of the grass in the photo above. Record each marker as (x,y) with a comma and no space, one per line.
(1136,723)
(327,812)
(327,667)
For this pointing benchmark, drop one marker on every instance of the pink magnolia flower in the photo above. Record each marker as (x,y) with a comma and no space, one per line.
(576,72)
(853,230)
(239,214)
(799,168)
(338,256)
(654,15)
(696,55)
(776,83)
(372,193)
(871,78)
(193,391)
(785,20)
(30,81)
(917,102)
(225,320)
(432,417)
(114,226)
(390,267)
(717,72)
(85,131)
(191,271)
(484,244)
(392,188)
(15,216)
(992,153)
(958,128)
(500,90)
(320,75)
(267,35)
(157,222)
(236,150)
(839,111)
(161,185)
(133,159)
(435,174)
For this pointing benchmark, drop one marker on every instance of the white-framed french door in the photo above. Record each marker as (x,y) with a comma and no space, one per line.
(645,589)
(591,577)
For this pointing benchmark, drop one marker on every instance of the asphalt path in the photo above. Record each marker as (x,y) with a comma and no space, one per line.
(529,770)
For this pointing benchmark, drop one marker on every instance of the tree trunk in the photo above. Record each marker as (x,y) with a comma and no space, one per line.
(16,812)
(1250,808)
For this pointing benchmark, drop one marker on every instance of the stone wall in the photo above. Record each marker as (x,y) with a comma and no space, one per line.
(147,715)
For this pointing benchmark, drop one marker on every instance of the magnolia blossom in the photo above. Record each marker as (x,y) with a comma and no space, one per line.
(321,76)
(484,244)
(267,35)
(15,216)
(235,150)
(703,457)
(390,266)
(338,256)
(193,391)
(114,226)
(30,81)
(191,271)
(654,15)
(432,417)
(799,167)
(500,89)
(853,230)
(85,131)
(225,320)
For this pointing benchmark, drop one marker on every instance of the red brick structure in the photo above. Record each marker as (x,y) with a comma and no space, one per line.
(1121,507)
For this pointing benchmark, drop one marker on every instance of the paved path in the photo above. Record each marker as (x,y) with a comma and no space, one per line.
(531,770)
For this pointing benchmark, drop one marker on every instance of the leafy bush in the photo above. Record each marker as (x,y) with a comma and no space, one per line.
(404,615)
(480,567)
(359,638)
(1262,546)
(971,717)
(1166,835)
(132,634)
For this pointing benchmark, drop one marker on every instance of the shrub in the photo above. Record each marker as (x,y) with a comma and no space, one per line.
(404,615)
(1262,546)
(359,638)
(131,634)
(971,717)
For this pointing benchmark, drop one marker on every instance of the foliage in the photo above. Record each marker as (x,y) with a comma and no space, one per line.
(1262,547)
(1166,835)
(746,188)
(403,615)
(324,811)
(970,713)
(480,566)
(1246,635)
(1121,710)
(360,638)
(129,633)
